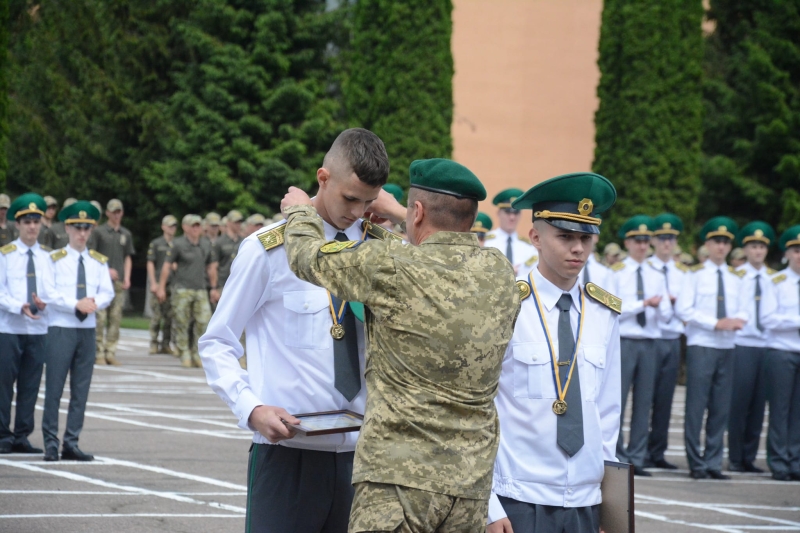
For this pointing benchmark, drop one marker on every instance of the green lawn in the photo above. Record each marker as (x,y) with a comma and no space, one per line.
(135,322)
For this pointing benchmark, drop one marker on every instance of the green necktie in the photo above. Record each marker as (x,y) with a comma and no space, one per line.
(758,303)
(641,318)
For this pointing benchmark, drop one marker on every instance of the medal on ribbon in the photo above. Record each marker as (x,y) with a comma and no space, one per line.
(337,330)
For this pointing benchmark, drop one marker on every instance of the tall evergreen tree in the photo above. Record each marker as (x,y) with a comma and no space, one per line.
(4,23)
(650,116)
(752,96)
(399,80)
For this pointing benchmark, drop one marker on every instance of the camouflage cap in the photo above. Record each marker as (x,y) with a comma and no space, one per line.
(191,220)
(5,201)
(50,201)
(234,216)
(212,219)
(169,220)
(69,201)
(256,219)
(444,176)
(26,204)
(114,205)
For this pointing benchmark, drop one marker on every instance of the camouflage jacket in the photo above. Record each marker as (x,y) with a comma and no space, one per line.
(439,318)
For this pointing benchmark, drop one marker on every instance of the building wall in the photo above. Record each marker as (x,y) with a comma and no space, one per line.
(524,90)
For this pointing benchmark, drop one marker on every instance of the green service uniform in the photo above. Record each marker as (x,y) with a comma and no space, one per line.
(225,249)
(439,318)
(58,237)
(8,232)
(45,235)
(189,295)
(116,245)
(161,317)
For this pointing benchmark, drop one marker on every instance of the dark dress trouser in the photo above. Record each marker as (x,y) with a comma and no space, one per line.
(748,401)
(668,364)
(291,490)
(708,387)
(69,351)
(533,518)
(21,361)
(638,369)
(783,383)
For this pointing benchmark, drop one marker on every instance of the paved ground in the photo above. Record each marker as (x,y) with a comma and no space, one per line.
(170,458)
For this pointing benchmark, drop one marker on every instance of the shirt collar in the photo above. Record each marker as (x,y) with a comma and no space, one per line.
(353,232)
(23,248)
(658,263)
(452,237)
(713,266)
(633,263)
(752,270)
(791,274)
(73,252)
(549,293)
(502,234)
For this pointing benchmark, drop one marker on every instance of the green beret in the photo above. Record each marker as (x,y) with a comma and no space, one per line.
(667,224)
(446,177)
(790,237)
(27,204)
(571,202)
(719,227)
(394,190)
(637,226)
(482,223)
(505,198)
(757,231)
(81,212)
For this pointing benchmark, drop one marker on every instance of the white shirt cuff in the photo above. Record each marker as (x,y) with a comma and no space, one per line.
(245,404)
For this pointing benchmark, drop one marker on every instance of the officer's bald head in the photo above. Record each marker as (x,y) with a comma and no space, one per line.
(360,152)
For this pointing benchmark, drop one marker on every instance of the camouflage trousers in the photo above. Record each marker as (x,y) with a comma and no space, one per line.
(110,318)
(189,306)
(161,319)
(381,507)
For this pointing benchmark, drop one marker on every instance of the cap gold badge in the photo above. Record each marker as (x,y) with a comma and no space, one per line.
(643,227)
(32,205)
(585,206)
(667,225)
(82,215)
(758,233)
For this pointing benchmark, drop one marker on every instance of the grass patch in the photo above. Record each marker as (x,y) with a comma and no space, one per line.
(135,322)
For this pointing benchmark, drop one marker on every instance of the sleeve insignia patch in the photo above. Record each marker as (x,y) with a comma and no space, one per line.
(531,261)
(524,289)
(337,246)
(58,254)
(616,267)
(604,297)
(272,238)
(97,256)
(780,278)
(8,248)
(379,232)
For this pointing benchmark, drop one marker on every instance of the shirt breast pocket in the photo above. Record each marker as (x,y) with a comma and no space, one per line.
(533,371)
(308,319)
(592,373)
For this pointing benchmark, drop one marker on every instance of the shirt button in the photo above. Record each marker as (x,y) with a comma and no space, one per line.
(569,491)
(305,306)
(535,358)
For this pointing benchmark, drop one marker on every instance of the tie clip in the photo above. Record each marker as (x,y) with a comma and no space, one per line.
(563,363)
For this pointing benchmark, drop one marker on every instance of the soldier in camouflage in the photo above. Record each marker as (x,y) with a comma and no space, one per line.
(161,312)
(440,314)
(8,232)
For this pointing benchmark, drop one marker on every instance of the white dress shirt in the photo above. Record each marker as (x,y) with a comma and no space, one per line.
(65,291)
(530,466)
(14,289)
(599,274)
(750,335)
(671,328)
(697,306)
(623,285)
(289,344)
(784,332)
(523,251)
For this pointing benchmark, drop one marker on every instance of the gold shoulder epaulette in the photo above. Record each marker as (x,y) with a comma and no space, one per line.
(524,239)
(616,267)
(680,266)
(8,248)
(97,256)
(531,261)
(771,271)
(739,273)
(489,236)
(780,278)
(604,297)
(524,289)
(697,267)
(272,238)
(379,232)
(58,254)
(45,248)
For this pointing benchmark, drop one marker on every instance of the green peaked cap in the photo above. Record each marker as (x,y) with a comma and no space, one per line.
(757,231)
(482,223)
(444,176)
(506,197)
(26,204)
(81,212)
(637,226)
(394,190)
(571,202)
(667,224)
(790,237)
(719,227)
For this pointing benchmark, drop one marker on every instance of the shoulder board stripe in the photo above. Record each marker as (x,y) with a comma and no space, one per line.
(272,238)
(58,254)
(489,236)
(739,273)
(771,271)
(379,232)
(780,278)
(97,256)
(524,289)
(697,267)
(532,261)
(8,248)
(604,297)
(616,267)
(680,266)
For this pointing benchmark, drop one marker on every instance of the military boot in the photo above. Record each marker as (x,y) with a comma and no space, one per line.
(186,361)
(153,347)
(113,361)
(166,349)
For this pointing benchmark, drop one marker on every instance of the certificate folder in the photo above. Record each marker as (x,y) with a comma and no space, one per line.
(327,423)
(616,511)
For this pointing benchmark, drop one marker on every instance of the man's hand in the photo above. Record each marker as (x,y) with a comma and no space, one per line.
(294,197)
(501,526)
(161,294)
(269,421)
(86,305)
(38,301)
(730,324)
(653,301)
(126,284)
(154,289)
(114,274)
(26,310)
(738,323)
(214,295)
(386,207)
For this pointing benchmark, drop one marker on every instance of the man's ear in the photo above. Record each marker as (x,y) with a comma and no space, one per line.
(323,175)
(419,213)
(535,237)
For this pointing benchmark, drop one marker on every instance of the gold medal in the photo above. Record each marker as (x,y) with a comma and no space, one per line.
(559,407)
(337,332)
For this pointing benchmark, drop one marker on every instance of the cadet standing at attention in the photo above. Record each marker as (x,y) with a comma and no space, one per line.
(782,366)
(441,311)
(8,232)
(115,242)
(295,365)
(668,348)
(749,383)
(505,238)
(709,305)
(559,397)
(82,287)
(645,305)
(161,317)
(25,287)
(193,262)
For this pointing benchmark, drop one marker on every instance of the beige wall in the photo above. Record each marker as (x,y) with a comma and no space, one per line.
(524,90)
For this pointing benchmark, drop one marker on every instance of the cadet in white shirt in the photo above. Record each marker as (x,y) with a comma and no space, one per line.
(645,304)
(82,286)
(709,305)
(505,238)
(668,347)
(24,269)
(746,419)
(558,428)
(295,365)
(782,366)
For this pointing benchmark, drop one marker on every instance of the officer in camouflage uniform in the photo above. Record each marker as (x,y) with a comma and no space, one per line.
(115,242)
(189,298)
(161,317)
(8,232)
(440,314)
